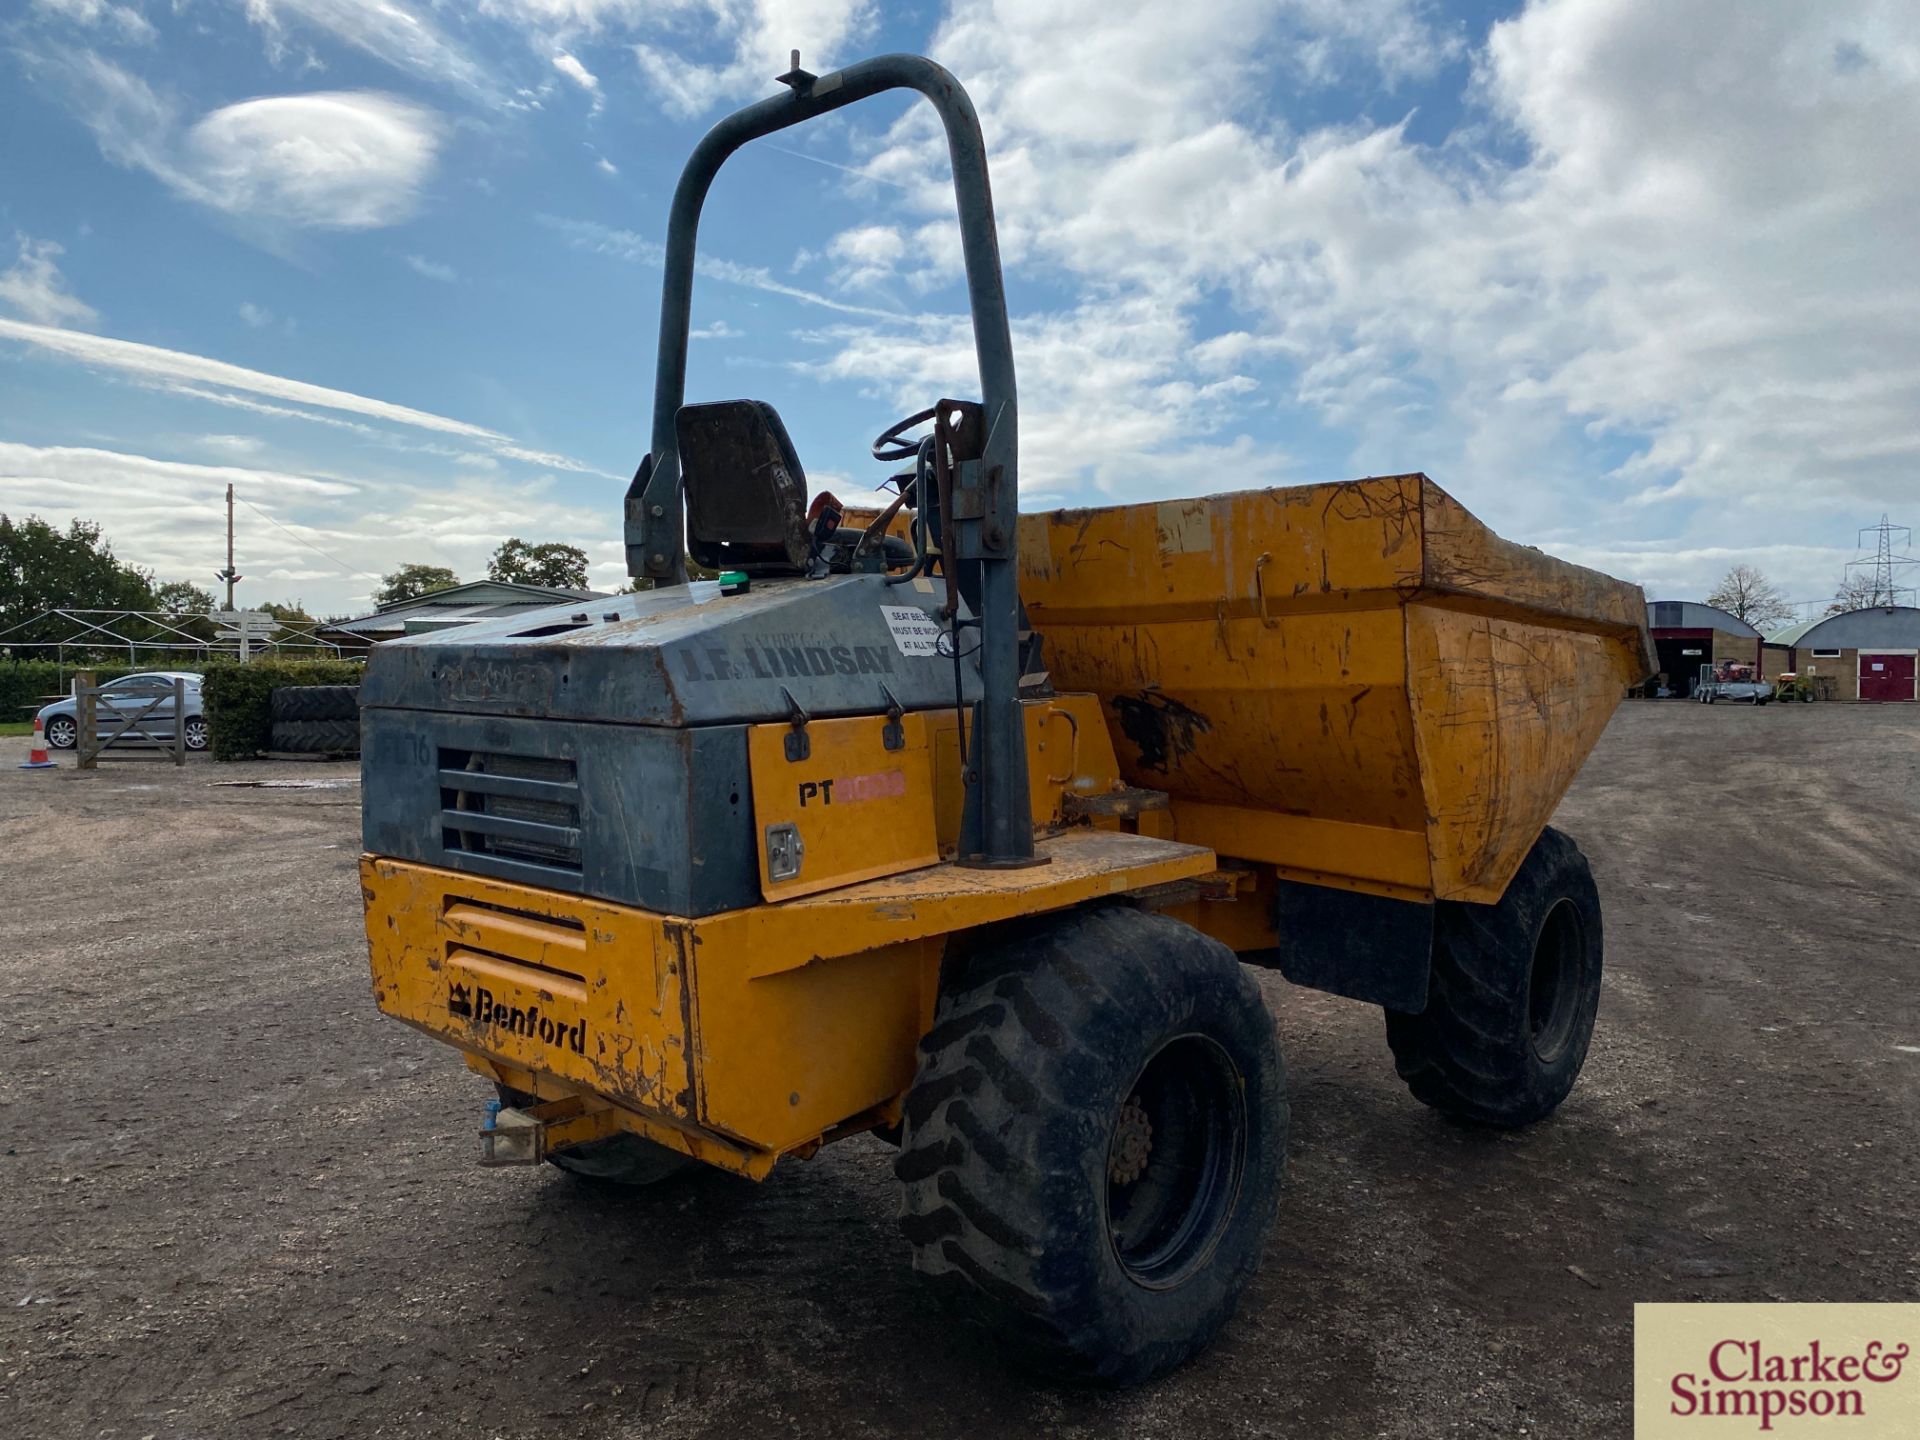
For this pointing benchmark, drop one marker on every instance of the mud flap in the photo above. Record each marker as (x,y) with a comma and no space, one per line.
(1365,947)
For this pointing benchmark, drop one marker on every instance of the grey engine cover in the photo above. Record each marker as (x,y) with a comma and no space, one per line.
(600,746)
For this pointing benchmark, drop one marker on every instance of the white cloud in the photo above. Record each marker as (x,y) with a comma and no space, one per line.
(35,288)
(1701,258)
(598,239)
(82,471)
(570,66)
(432,269)
(239,445)
(349,161)
(867,255)
(756,34)
(256,316)
(124,21)
(302,534)
(385,29)
(1102,391)
(606,166)
(151,362)
(332,160)
(327,538)
(202,378)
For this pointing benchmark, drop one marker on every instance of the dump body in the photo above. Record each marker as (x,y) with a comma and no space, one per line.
(1357,684)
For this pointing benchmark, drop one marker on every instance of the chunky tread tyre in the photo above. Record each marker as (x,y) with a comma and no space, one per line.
(630,1160)
(1004,1165)
(1514,991)
(326,737)
(315,702)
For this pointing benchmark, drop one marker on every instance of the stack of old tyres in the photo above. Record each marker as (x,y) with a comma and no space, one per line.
(316,719)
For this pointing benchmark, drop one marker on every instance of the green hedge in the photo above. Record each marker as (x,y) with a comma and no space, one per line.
(29,683)
(239,698)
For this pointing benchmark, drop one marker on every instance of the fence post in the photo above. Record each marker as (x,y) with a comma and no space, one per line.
(85,713)
(179,722)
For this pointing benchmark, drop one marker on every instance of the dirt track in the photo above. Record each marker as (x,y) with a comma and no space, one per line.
(238,1202)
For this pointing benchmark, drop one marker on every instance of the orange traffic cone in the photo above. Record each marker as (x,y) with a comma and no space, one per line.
(37,757)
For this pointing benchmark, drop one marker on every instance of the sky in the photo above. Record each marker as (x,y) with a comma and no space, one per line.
(1638,281)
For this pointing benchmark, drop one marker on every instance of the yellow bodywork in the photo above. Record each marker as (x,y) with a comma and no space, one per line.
(735,1037)
(1355,685)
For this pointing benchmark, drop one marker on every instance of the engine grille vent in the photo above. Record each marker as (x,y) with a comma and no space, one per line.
(521,811)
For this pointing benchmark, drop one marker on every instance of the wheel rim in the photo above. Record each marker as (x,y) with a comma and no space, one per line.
(196,734)
(1553,987)
(59,732)
(1174,1160)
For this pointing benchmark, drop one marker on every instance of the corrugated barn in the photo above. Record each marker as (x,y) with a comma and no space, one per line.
(1867,654)
(1687,635)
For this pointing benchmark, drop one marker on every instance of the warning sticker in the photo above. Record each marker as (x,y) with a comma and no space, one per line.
(914,631)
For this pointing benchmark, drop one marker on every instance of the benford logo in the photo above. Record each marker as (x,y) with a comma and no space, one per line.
(477,1005)
(1776,1370)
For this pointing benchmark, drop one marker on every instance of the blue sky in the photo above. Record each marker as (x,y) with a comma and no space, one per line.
(1634,280)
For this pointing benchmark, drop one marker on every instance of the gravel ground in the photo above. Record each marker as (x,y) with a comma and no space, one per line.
(240,1203)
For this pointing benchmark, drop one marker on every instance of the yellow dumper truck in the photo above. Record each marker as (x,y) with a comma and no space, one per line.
(960,826)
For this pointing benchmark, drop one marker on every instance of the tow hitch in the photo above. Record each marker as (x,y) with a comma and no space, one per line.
(528,1134)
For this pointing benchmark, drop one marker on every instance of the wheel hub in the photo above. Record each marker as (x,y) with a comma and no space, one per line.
(1132,1144)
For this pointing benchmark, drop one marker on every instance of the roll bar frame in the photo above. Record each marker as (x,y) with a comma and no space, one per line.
(984,526)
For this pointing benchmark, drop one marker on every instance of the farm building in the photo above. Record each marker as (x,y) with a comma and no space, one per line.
(1687,635)
(1867,654)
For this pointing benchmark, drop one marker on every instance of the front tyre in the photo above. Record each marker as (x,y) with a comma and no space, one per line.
(1512,996)
(1095,1142)
(62,732)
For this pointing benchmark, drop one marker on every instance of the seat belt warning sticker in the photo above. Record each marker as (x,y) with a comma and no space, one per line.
(914,631)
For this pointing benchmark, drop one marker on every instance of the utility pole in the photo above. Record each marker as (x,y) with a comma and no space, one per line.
(229,574)
(1883,572)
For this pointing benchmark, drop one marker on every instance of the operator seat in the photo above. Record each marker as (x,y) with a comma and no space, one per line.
(746,493)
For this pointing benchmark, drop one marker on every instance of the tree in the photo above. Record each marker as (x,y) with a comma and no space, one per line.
(1745,593)
(182,597)
(1856,592)
(296,625)
(43,569)
(556,566)
(410,582)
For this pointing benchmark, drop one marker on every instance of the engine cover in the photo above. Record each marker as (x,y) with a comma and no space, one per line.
(600,747)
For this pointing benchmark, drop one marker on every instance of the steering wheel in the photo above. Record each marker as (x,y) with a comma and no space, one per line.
(892,444)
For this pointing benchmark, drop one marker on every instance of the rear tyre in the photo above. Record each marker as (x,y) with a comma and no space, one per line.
(315,702)
(1095,1142)
(616,1160)
(1512,996)
(321,737)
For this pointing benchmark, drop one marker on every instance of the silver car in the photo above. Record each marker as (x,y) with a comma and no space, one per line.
(125,697)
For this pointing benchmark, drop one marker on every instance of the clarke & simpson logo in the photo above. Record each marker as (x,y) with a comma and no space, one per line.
(1775,1370)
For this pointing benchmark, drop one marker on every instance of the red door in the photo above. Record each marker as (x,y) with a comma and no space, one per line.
(1886,677)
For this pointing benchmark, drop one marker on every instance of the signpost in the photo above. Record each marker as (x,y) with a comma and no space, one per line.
(243,627)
